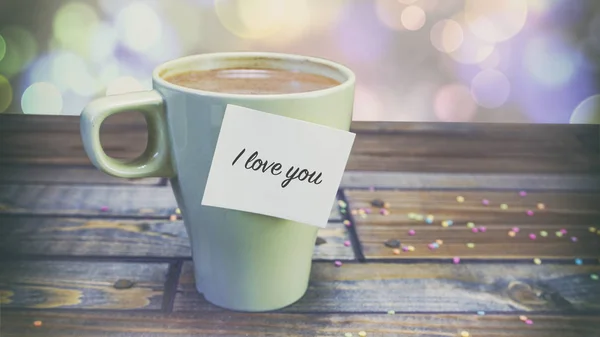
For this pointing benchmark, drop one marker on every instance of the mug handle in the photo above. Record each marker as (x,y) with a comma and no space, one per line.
(155,161)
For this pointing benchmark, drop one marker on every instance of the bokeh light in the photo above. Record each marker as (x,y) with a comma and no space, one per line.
(587,112)
(550,63)
(390,13)
(123,85)
(70,71)
(186,21)
(325,14)
(42,98)
(295,23)
(490,88)
(139,27)
(20,48)
(367,104)
(103,42)
(2,47)
(492,61)
(429,5)
(73,26)
(446,36)
(472,50)
(454,103)
(6,94)
(495,21)
(413,18)
(251,19)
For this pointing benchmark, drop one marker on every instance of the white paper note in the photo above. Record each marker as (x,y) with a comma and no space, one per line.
(277,166)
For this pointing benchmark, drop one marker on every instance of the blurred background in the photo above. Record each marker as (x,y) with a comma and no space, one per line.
(521,61)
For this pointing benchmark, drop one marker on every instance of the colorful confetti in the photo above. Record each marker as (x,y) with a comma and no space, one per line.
(470,224)
(177,210)
(347,243)
(529,212)
(528,322)
(439,242)
(405,248)
(594,277)
(460,199)
(559,234)
(574,238)
(578,262)
(474,230)
(456,260)
(485,202)
(482,229)
(348,334)
(592,229)
(384,211)
(504,206)
(543,233)
(368,211)
(396,251)
(338,263)
(515,229)
(342,203)
(563,231)
(523,193)
(541,206)
(37,323)
(523,318)
(464,333)
(412,232)
(481,313)
(104,209)
(512,234)
(173,217)
(537,261)
(411,248)
(391,312)
(354,212)
(362,333)
(347,223)
(429,219)
(470,245)
(532,236)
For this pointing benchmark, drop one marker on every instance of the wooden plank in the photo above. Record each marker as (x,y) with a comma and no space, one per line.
(335,234)
(44,174)
(560,207)
(575,212)
(411,288)
(88,324)
(22,237)
(465,181)
(56,236)
(475,148)
(81,285)
(390,147)
(137,201)
(84,200)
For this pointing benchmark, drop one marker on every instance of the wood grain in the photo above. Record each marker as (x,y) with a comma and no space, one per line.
(140,201)
(390,147)
(475,148)
(81,285)
(581,208)
(469,181)
(89,200)
(58,174)
(24,237)
(575,212)
(96,324)
(412,288)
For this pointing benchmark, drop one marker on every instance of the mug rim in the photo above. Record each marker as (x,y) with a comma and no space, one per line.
(345,71)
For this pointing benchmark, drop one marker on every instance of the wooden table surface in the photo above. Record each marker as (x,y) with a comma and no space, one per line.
(68,233)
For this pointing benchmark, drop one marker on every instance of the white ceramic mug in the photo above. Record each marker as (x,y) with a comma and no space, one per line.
(242,261)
